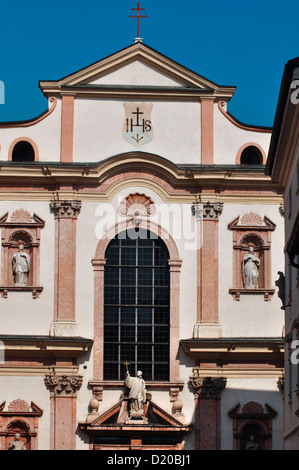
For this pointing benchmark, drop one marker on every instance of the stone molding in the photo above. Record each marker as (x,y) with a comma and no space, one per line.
(208,387)
(63,385)
(66,209)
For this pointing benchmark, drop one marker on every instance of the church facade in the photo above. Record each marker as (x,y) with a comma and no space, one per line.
(140,245)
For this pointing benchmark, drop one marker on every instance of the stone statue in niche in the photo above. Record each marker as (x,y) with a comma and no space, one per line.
(250,269)
(251,444)
(16,444)
(137,394)
(21,266)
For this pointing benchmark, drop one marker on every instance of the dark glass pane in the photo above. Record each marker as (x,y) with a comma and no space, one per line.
(145,296)
(161,277)
(128,256)
(161,315)
(145,276)
(127,242)
(128,276)
(161,296)
(111,315)
(144,334)
(112,256)
(111,352)
(161,372)
(128,295)
(161,334)
(144,315)
(127,353)
(161,257)
(111,276)
(127,334)
(161,353)
(110,333)
(145,353)
(110,371)
(145,257)
(127,315)
(111,295)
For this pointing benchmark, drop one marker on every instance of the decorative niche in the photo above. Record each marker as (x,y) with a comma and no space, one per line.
(20,233)
(252,256)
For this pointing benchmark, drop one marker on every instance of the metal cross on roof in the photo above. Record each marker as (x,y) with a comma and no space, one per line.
(138,16)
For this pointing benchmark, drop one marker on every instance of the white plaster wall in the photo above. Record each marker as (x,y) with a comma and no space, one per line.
(229,138)
(98,130)
(29,389)
(261,390)
(20,314)
(251,316)
(46,135)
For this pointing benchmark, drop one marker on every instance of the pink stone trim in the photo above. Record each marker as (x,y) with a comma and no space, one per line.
(99,266)
(207,277)
(33,121)
(23,139)
(207,132)
(65,269)
(246,127)
(67,129)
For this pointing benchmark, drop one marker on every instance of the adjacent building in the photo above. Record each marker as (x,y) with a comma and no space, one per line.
(283,166)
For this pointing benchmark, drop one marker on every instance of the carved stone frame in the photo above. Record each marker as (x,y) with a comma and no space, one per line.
(252,413)
(19,417)
(99,265)
(25,228)
(251,226)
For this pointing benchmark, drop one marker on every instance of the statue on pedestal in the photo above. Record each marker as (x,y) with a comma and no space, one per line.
(251,444)
(21,266)
(16,444)
(250,265)
(137,394)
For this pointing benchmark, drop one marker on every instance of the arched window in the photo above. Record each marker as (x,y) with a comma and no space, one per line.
(251,155)
(136,306)
(23,151)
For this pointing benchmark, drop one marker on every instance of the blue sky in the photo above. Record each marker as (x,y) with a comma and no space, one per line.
(244,44)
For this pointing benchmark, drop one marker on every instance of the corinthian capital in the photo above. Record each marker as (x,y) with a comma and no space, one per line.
(212,210)
(63,385)
(66,209)
(207,210)
(208,387)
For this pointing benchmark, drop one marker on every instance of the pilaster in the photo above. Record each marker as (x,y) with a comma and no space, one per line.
(207,217)
(63,395)
(66,213)
(207,411)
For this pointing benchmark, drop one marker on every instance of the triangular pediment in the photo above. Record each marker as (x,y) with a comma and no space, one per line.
(137,66)
(118,415)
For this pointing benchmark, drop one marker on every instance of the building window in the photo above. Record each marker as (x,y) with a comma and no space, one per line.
(251,155)
(136,306)
(23,151)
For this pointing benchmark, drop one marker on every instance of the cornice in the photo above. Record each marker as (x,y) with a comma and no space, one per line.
(44,346)
(145,54)
(233,350)
(183,181)
(140,92)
